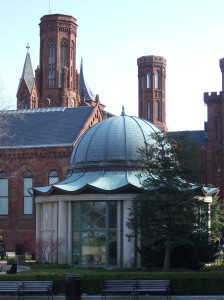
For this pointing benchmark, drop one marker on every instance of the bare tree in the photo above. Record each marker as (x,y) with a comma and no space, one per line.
(47,249)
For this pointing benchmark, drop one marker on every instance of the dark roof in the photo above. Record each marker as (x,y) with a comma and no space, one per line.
(89,94)
(197,136)
(27,74)
(43,127)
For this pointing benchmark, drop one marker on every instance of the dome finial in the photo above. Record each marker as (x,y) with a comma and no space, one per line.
(122,112)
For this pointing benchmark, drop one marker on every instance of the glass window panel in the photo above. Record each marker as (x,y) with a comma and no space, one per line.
(3,175)
(95,234)
(4,201)
(28,205)
(4,187)
(100,214)
(149,110)
(4,206)
(76,215)
(148,80)
(157,80)
(112,214)
(93,247)
(51,64)
(28,175)
(53,177)
(76,252)
(157,110)
(93,215)
(27,183)
(27,198)
(113,248)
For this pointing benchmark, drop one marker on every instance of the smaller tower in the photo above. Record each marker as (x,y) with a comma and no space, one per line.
(215,135)
(151,90)
(25,93)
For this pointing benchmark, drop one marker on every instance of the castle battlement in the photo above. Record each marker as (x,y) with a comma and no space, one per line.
(146,60)
(213,97)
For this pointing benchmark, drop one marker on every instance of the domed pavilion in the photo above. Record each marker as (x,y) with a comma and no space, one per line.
(88,210)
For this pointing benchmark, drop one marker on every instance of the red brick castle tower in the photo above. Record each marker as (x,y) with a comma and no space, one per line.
(57,78)
(151,90)
(56,82)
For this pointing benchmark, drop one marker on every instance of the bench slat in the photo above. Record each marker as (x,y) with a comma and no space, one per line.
(22,287)
(135,287)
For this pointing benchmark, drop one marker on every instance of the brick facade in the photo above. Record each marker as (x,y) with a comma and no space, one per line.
(17,228)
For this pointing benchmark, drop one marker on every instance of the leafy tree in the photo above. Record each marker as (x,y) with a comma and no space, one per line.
(168,214)
(217,217)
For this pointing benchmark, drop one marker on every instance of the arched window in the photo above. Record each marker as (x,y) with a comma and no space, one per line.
(149,110)
(34,102)
(24,102)
(148,80)
(27,198)
(51,64)
(53,177)
(4,194)
(157,80)
(63,58)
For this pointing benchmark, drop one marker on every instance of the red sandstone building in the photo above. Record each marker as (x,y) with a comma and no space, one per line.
(53,109)
(56,106)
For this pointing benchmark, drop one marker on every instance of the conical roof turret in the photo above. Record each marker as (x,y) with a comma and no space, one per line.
(27,74)
(83,85)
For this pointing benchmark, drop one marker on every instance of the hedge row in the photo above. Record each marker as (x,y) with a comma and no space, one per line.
(189,283)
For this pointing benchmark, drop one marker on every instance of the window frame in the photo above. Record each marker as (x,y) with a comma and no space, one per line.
(4,178)
(52,174)
(26,196)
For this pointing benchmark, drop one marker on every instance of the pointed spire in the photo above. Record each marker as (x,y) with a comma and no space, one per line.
(27,74)
(97,99)
(84,85)
(122,112)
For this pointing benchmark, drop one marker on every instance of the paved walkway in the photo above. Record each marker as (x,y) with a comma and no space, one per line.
(4,268)
(118,298)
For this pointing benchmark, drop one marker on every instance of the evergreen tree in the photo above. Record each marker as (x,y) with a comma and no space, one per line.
(168,214)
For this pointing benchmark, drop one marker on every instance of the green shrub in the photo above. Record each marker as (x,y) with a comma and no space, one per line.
(92,280)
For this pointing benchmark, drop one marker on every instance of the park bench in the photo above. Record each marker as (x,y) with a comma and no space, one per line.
(33,287)
(136,287)
(21,288)
(152,287)
(10,287)
(119,287)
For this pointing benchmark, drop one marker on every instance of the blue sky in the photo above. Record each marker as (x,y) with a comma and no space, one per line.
(112,35)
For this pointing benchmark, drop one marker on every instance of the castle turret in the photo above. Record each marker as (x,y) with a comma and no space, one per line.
(151,90)
(215,133)
(57,51)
